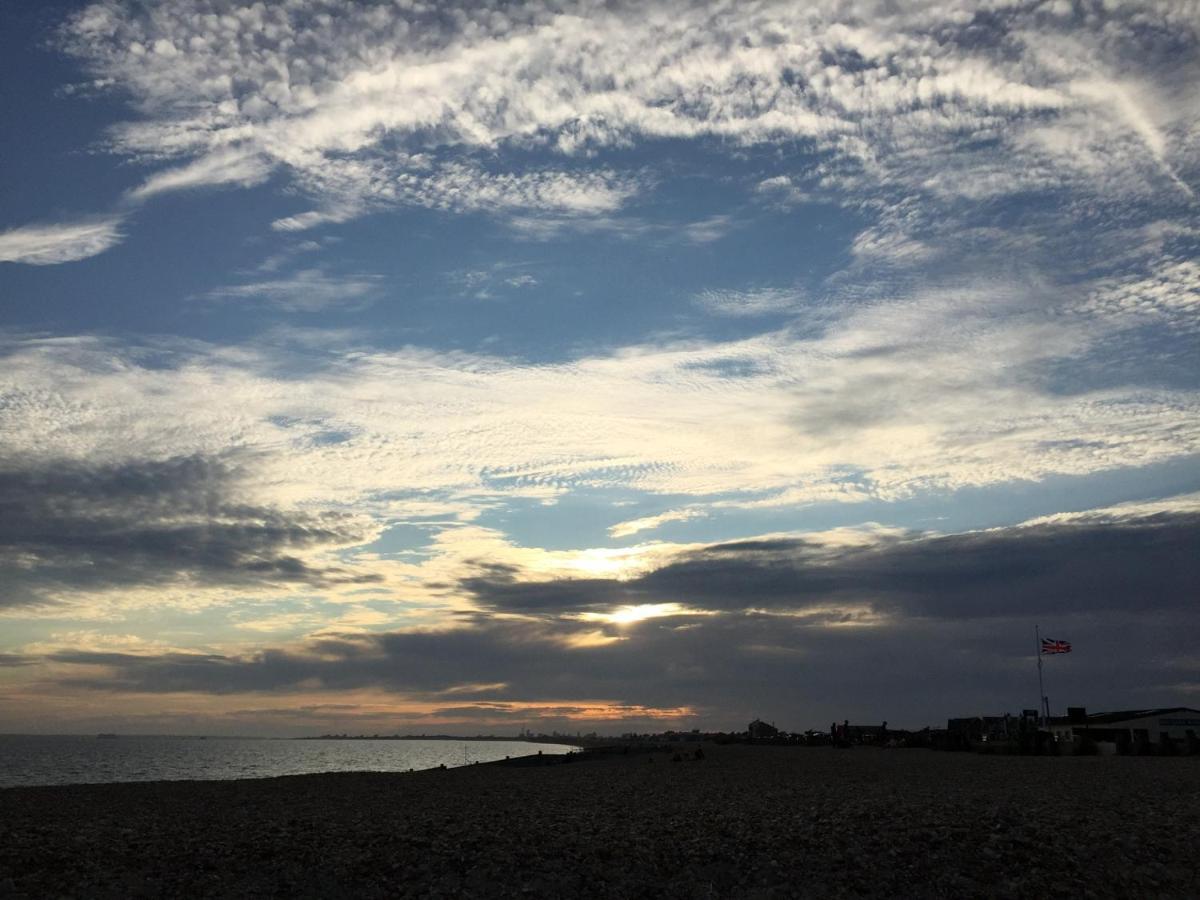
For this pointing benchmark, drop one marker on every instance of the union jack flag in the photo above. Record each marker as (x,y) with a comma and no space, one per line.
(1052,646)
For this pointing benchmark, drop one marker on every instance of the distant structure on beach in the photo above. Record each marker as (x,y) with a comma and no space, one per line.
(1159,731)
(865,734)
(986,728)
(760,730)
(1132,727)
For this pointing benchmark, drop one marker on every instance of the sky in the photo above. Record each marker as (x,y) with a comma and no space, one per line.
(469,367)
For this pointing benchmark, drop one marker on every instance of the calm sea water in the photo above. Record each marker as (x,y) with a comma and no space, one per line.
(70,759)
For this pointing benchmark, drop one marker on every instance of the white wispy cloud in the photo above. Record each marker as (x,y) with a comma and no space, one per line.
(782,190)
(648,523)
(483,283)
(315,218)
(51,244)
(925,98)
(307,290)
(1134,509)
(932,392)
(233,167)
(705,231)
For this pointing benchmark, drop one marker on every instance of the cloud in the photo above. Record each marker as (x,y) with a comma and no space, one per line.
(706,231)
(483,284)
(68,527)
(949,387)
(559,200)
(314,218)
(1031,570)
(1135,109)
(1169,295)
(921,100)
(944,619)
(49,245)
(754,302)
(633,526)
(974,151)
(220,168)
(782,191)
(307,290)
(1102,563)
(542,226)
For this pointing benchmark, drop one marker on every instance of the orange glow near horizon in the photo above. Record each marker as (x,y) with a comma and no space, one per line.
(367,711)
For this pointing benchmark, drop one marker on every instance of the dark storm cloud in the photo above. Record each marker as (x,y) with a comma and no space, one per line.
(68,526)
(1054,568)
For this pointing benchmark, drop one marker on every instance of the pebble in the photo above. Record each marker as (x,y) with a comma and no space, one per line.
(744,821)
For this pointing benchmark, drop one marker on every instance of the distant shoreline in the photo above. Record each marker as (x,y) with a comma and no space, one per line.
(111,735)
(101,759)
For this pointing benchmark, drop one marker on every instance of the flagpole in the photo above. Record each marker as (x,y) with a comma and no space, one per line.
(1043,713)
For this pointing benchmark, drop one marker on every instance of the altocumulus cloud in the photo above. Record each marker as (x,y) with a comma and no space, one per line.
(355,100)
(932,392)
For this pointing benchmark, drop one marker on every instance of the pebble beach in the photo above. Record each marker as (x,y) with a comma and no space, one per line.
(744,821)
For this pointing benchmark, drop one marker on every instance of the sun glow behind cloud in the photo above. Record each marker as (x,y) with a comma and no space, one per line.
(806,298)
(629,615)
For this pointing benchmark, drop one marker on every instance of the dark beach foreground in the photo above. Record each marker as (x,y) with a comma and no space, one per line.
(744,821)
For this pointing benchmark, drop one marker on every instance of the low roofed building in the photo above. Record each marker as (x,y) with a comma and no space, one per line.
(1177,723)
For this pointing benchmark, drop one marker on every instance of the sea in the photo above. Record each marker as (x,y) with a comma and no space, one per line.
(92,759)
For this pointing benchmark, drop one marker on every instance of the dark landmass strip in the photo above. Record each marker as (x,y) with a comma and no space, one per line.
(742,821)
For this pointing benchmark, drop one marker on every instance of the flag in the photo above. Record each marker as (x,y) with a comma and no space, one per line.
(1053,646)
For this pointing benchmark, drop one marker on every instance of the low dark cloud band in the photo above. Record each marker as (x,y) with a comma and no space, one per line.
(66,527)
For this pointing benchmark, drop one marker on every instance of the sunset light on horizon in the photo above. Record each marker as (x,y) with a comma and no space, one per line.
(474,368)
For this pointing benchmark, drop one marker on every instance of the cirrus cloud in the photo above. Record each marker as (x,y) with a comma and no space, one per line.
(52,244)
